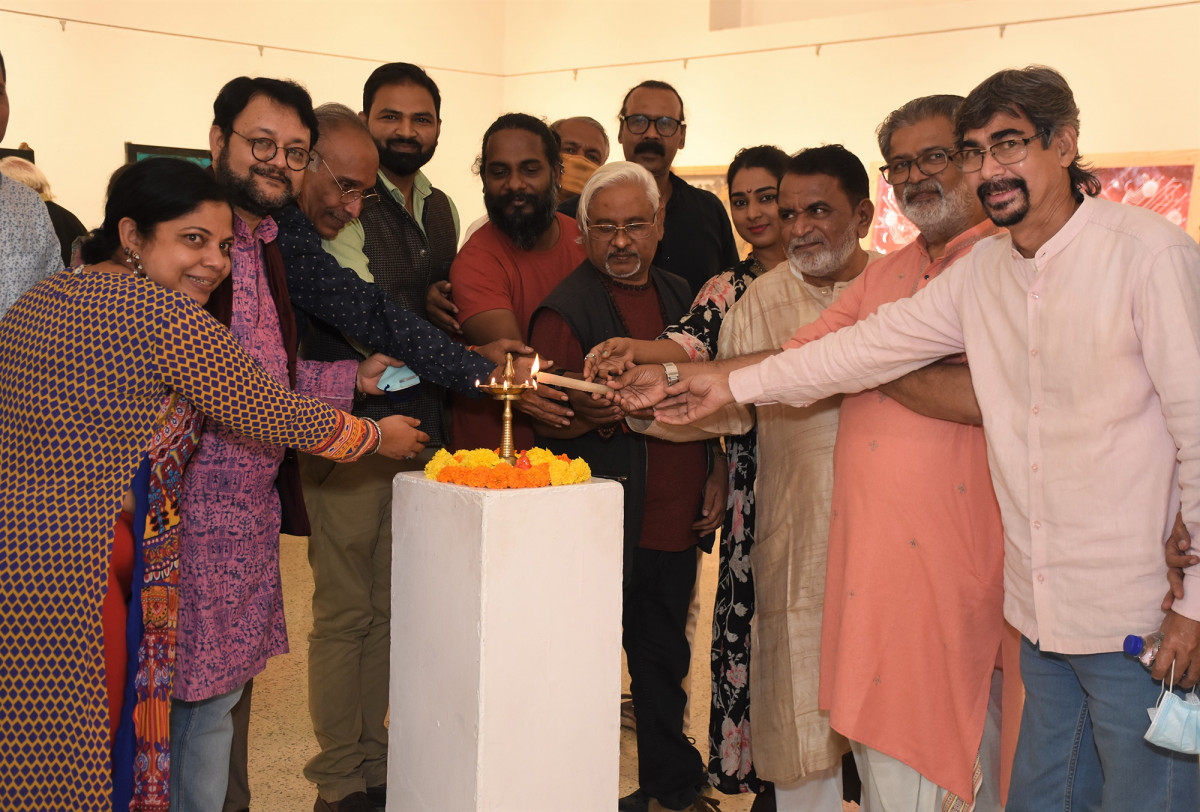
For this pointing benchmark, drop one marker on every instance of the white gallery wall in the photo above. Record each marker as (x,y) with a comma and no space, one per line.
(79,94)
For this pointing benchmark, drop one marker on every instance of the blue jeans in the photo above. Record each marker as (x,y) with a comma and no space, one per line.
(1081,745)
(201,737)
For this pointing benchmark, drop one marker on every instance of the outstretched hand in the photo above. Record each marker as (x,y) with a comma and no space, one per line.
(495,351)
(366,380)
(640,388)
(697,397)
(547,405)
(608,358)
(400,438)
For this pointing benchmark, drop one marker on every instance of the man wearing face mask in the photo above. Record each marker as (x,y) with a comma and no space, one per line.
(617,291)
(697,238)
(584,145)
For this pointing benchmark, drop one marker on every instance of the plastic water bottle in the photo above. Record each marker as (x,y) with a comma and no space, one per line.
(1144,648)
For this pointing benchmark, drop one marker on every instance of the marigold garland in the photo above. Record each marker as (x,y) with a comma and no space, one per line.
(483,468)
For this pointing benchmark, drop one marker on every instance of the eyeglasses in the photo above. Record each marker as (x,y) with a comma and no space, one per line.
(638,124)
(264,149)
(1005,152)
(603,232)
(930,163)
(348,195)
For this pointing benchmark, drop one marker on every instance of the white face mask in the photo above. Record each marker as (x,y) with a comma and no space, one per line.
(1175,720)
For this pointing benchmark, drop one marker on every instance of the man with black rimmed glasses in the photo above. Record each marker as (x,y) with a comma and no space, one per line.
(230,599)
(697,238)
(910,465)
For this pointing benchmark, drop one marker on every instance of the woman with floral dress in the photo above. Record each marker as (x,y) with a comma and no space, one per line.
(753,180)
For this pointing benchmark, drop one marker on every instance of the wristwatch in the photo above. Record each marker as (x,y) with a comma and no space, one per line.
(672,373)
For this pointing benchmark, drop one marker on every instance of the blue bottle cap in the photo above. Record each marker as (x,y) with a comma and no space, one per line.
(1134,645)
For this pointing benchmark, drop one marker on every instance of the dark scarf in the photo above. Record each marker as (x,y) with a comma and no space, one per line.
(294,516)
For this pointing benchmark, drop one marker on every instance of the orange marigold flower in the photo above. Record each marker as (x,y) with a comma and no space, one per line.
(483,468)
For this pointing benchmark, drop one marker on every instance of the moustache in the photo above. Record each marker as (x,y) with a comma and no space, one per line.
(272,172)
(515,199)
(650,148)
(992,187)
(912,189)
(392,143)
(622,255)
(798,242)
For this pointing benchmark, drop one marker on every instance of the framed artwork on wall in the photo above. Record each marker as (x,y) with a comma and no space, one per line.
(138,152)
(1161,181)
(18,152)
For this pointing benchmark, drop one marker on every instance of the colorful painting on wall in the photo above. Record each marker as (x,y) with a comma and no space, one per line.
(1161,181)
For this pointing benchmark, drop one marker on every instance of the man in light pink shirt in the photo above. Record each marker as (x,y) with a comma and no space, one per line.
(1081,327)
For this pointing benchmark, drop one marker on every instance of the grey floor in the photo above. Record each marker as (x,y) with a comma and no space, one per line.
(281,738)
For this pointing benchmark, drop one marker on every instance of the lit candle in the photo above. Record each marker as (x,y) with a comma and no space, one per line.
(572,383)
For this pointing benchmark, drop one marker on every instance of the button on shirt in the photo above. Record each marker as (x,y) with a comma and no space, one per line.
(1086,365)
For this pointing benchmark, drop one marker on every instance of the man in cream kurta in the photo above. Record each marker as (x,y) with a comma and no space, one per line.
(825,209)
(792,494)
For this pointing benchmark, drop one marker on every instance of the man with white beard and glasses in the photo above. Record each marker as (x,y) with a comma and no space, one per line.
(915,521)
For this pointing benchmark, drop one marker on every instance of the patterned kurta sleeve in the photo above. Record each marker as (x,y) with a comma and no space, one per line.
(198,358)
(697,331)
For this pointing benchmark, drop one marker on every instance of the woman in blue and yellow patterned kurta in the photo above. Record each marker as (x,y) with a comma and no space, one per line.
(87,358)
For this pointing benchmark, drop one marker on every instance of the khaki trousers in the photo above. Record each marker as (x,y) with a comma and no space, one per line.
(350,551)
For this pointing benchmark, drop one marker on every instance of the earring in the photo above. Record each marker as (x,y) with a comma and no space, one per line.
(134,260)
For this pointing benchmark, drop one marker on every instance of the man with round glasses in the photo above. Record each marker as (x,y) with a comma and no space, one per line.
(697,240)
(231,607)
(617,291)
(1080,323)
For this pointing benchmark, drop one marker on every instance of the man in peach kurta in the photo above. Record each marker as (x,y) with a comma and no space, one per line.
(914,588)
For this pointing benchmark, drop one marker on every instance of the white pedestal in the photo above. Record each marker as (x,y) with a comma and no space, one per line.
(506,634)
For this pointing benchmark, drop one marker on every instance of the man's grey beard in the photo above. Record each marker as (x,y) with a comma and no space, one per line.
(615,275)
(824,262)
(938,220)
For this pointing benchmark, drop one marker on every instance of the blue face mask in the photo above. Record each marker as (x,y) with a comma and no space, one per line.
(1175,721)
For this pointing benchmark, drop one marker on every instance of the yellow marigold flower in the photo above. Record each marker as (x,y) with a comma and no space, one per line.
(483,468)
